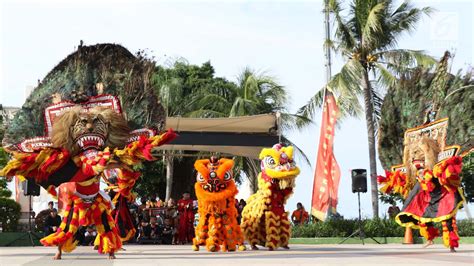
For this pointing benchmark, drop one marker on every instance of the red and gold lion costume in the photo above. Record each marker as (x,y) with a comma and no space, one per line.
(264,219)
(215,188)
(84,142)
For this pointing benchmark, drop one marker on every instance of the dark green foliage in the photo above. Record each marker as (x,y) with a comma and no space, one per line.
(372,227)
(9,214)
(9,209)
(406,103)
(152,181)
(123,74)
(468,177)
(390,198)
(465,227)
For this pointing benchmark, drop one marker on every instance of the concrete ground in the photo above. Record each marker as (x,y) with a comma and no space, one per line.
(354,254)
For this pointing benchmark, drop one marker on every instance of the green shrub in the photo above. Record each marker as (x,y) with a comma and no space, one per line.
(372,227)
(465,227)
(9,214)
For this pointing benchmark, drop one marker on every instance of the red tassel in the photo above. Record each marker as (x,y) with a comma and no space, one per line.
(432,232)
(453,239)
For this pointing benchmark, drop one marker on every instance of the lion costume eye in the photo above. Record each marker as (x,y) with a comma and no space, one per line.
(200,178)
(270,162)
(228,176)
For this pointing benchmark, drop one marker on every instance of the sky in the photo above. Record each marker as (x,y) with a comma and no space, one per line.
(282,38)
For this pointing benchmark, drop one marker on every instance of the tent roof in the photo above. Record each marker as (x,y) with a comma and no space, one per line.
(241,124)
(240,136)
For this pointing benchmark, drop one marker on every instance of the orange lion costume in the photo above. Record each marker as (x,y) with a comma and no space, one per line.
(215,190)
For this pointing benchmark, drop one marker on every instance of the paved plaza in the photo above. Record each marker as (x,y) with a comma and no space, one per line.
(388,254)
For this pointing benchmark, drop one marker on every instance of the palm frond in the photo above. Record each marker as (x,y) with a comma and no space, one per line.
(400,60)
(298,151)
(372,29)
(309,109)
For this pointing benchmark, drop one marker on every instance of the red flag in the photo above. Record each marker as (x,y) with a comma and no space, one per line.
(327,173)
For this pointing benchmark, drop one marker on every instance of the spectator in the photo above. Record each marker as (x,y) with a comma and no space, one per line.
(168,232)
(300,215)
(89,236)
(144,231)
(52,222)
(393,210)
(186,219)
(240,208)
(155,231)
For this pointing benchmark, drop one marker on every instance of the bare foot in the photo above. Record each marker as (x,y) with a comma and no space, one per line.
(452,249)
(112,256)
(428,243)
(253,247)
(57,256)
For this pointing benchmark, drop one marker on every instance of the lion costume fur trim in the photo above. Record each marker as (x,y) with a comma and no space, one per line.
(218,228)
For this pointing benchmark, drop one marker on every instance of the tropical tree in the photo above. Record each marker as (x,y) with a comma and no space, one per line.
(366,37)
(253,93)
(193,91)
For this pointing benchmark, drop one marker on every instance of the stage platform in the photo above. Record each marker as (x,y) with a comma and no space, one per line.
(346,254)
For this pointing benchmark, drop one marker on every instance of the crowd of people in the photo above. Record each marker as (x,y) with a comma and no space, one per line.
(156,221)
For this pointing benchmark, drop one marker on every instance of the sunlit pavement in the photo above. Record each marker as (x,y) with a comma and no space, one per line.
(388,254)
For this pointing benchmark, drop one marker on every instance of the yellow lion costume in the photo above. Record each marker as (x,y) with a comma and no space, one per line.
(264,220)
(215,190)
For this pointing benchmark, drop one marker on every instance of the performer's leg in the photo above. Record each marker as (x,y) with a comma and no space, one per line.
(450,234)
(201,232)
(65,237)
(272,228)
(215,238)
(109,238)
(230,235)
(237,232)
(429,232)
(285,230)
(58,253)
(251,227)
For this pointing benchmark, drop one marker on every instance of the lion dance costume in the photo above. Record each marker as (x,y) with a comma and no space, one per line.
(215,190)
(435,197)
(264,219)
(86,141)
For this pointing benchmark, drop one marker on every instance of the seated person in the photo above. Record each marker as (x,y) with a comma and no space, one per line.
(168,232)
(52,222)
(89,236)
(144,231)
(155,231)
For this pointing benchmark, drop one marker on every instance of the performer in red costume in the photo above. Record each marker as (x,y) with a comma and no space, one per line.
(85,139)
(186,219)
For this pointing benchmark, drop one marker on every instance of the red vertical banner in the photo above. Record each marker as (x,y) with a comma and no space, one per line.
(327,173)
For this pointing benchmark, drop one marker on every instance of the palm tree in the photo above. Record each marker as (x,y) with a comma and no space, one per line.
(366,38)
(192,91)
(254,93)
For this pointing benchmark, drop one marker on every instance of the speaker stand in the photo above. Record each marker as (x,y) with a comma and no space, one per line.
(360,231)
(31,235)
